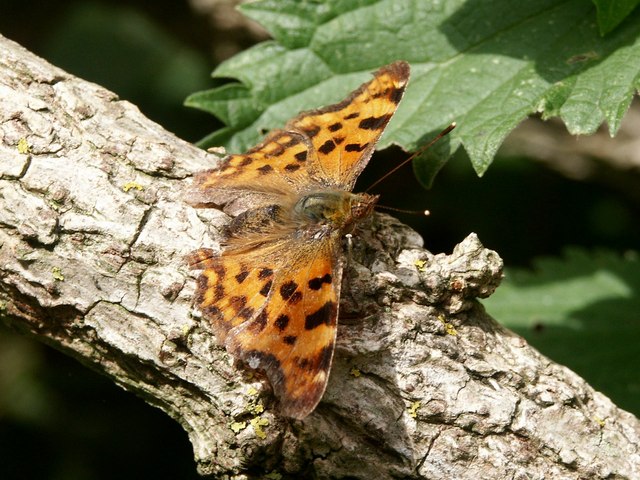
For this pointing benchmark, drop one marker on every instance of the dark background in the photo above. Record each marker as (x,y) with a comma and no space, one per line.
(60,420)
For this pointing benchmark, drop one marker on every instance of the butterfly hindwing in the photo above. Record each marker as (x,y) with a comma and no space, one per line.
(231,291)
(280,317)
(296,343)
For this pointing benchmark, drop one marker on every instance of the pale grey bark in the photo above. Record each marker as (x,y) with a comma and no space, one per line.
(93,231)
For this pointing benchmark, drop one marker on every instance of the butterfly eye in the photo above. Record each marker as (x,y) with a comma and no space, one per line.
(362,205)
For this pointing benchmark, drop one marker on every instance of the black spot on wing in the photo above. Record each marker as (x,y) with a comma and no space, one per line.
(220,271)
(295,298)
(319,361)
(212,312)
(265,273)
(202,282)
(355,147)
(374,123)
(266,288)
(281,322)
(352,115)
(290,339)
(323,358)
(334,127)
(288,289)
(291,142)
(324,315)
(311,131)
(265,169)
(292,167)
(242,276)
(316,283)
(304,363)
(396,95)
(301,156)
(327,147)
(238,302)
(218,292)
(277,150)
(260,321)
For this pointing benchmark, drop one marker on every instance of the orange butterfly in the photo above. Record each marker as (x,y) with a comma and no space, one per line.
(272,296)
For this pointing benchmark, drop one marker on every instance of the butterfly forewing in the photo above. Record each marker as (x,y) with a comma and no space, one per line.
(278,166)
(327,147)
(344,135)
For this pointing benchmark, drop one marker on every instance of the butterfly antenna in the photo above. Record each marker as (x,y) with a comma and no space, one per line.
(419,152)
(425,213)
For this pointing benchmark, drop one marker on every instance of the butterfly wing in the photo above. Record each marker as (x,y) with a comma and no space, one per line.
(327,147)
(277,312)
(344,135)
(281,164)
(273,295)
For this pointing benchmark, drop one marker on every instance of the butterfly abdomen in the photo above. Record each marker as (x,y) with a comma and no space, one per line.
(255,221)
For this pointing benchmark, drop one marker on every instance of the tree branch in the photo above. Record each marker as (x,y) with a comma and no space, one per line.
(93,232)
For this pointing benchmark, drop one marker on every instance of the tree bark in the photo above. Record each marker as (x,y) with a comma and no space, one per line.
(94,227)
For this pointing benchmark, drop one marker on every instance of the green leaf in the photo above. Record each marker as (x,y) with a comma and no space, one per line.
(611,13)
(292,24)
(582,311)
(484,64)
(231,103)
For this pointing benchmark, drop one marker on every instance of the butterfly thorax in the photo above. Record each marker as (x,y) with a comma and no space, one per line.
(337,209)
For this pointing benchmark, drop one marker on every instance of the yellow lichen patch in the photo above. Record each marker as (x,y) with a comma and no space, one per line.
(413,409)
(129,185)
(448,327)
(420,264)
(355,372)
(57,274)
(599,421)
(256,408)
(237,427)
(23,146)
(254,405)
(257,424)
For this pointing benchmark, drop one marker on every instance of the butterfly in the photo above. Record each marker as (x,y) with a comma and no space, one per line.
(272,295)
